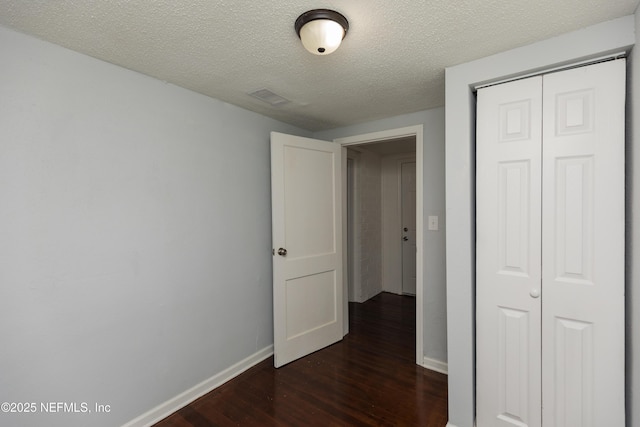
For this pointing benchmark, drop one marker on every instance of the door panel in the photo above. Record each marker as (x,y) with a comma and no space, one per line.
(583,256)
(309,186)
(512,358)
(307,213)
(574,216)
(513,212)
(574,386)
(316,294)
(508,255)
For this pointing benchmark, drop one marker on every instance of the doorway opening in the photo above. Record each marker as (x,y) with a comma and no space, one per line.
(381,268)
(381,219)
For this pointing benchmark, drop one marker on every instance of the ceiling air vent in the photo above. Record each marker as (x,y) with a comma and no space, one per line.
(269,97)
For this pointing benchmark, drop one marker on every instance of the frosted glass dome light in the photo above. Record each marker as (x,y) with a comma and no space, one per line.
(321,30)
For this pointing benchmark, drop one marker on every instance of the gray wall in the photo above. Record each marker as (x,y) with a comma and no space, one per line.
(594,41)
(135,235)
(435,328)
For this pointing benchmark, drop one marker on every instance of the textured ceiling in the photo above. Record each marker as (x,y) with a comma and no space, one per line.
(391,62)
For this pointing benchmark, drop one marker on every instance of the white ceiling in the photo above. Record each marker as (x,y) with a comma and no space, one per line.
(391,62)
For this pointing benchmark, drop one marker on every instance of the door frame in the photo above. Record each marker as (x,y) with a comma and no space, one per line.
(381,136)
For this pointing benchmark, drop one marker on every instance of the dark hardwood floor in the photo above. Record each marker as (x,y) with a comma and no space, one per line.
(368,379)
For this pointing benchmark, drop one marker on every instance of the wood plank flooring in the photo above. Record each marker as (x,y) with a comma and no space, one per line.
(368,379)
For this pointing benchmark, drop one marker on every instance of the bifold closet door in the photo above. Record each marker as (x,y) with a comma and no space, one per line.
(508,249)
(550,250)
(583,246)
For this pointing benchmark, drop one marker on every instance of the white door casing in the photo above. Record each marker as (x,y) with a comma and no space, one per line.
(408,232)
(307,216)
(557,360)
(508,265)
(583,247)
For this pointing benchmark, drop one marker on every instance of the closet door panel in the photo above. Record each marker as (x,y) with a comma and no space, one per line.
(508,254)
(583,246)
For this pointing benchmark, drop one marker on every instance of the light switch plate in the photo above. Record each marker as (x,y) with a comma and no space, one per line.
(433,223)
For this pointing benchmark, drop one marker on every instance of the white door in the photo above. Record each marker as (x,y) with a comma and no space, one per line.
(550,250)
(583,247)
(508,266)
(408,208)
(306,191)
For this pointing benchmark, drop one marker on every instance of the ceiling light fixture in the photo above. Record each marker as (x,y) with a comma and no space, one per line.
(321,30)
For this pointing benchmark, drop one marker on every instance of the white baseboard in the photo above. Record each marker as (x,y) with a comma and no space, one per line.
(436,365)
(183,399)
